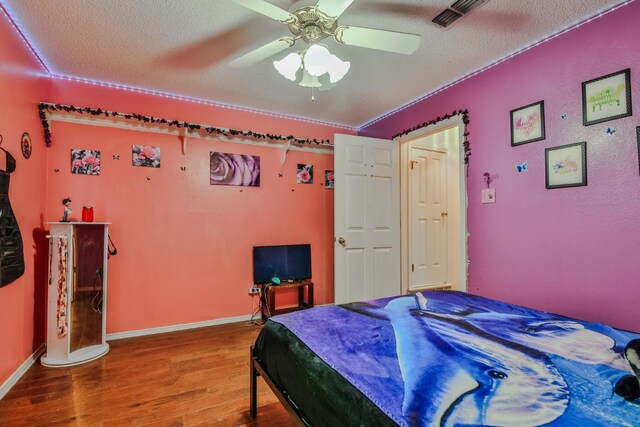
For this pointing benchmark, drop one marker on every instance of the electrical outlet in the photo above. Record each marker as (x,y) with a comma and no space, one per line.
(254,291)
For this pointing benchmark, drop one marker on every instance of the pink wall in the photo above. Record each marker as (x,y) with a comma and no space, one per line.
(22,303)
(184,246)
(572,251)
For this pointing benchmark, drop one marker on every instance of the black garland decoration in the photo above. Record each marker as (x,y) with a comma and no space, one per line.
(465,120)
(43,108)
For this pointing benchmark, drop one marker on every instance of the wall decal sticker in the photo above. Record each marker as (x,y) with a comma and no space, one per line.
(563,116)
(610,131)
(522,167)
(305,174)
(85,162)
(146,155)
(234,169)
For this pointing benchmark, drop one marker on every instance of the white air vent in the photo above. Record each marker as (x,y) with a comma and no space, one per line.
(466,6)
(446,18)
(456,11)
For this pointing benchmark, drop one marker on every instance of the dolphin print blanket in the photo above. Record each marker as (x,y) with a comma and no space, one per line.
(455,359)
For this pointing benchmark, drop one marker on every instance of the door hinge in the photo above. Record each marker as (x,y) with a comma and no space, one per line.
(412,268)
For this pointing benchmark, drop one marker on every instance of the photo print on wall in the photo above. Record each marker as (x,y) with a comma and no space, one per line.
(305,174)
(527,124)
(606,98)
(85,162)
(328,180)
(234,169)
(146,155)
(566,166)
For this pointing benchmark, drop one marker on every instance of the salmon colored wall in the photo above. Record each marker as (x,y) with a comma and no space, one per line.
(22,86)
(184,246)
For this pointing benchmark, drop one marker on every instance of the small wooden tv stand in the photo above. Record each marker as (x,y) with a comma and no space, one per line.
(268,298)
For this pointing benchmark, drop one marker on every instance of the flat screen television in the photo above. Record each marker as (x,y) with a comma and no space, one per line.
(286,262)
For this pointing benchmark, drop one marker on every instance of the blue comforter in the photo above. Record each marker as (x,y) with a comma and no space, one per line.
(451,358)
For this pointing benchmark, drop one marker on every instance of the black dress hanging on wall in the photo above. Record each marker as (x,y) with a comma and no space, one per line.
(11,252)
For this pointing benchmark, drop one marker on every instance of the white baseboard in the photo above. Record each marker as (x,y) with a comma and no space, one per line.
(174,328)
(13,379)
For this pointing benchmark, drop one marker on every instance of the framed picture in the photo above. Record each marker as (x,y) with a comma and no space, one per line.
(606,98)
(304,174)
(146,155)
(566,166)
(85,162)
(234,169)
(25,145)
(329,182)
(638,138)
(527,124)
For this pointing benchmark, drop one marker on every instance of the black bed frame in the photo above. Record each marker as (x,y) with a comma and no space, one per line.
(257,369)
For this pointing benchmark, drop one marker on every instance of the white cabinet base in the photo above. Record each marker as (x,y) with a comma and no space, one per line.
(78,357)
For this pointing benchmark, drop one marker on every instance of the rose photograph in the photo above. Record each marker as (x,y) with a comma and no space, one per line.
(85,162)
(234,169)
(146,155)
(305,174)
(328,180)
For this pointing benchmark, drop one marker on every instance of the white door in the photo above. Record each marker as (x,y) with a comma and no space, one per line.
(366,218)
(428,218)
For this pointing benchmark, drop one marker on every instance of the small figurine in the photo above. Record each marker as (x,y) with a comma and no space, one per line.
(67,209)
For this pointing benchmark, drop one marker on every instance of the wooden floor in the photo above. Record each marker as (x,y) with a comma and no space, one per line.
(188,378)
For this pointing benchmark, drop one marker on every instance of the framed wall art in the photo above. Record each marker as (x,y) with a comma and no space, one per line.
(234,169)
(25,145)
(145,155)
(638,138)
(527,124)
(85,162)
(566,166)
(606,98)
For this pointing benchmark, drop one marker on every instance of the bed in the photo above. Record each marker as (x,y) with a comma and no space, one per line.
(442,358)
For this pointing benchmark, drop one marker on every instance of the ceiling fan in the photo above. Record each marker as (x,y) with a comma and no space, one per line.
(313,24)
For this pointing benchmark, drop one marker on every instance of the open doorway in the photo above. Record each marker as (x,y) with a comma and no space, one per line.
(433,208)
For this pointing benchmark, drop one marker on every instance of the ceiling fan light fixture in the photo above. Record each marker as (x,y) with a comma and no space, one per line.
(337,69)
(289,65)
(309,80)
(316,60)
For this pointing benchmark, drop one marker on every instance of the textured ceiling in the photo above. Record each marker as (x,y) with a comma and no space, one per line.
(183,47)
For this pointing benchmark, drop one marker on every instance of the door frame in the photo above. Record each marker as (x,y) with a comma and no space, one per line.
(406,143)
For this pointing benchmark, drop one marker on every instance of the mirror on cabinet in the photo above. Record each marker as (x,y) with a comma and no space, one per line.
(77,293)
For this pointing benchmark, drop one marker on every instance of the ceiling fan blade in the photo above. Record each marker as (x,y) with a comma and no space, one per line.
(333,8)
(390,41)
(263,52)
(267,9)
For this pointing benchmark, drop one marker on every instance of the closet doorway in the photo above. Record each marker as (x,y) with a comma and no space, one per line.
(433,208)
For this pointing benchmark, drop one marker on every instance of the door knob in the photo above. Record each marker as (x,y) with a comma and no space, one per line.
(342,241)
(444,213)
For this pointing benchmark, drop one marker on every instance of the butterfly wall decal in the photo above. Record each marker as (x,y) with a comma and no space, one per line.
(610,131)
(183,168)
(522,167)
(116,157)
(563,116)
